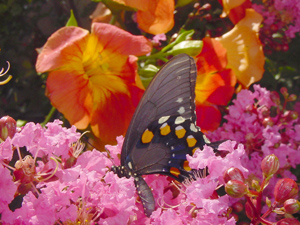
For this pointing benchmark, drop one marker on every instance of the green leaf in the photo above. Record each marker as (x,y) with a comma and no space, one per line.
(116,7)
(181,3)
(72,20)
(187,34)
(191,48)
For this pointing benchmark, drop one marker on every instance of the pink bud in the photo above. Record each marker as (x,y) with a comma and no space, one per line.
(236,188)
(275,97)
(293,115)
(7,127)
(233,174)
(238,207)
(269,166)
(292,98)
(285,189)
(268,122)
(249,210)
(284,92)
(291,206)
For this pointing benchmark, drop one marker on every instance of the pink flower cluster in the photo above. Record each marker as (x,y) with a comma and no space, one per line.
(260,121)
(61,183)
(284,14)
(86,191)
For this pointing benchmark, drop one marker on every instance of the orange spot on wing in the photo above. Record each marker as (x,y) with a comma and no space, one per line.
(165,129)
(191,141)
(186,166)
(174,171)
(147,136)
(180,132)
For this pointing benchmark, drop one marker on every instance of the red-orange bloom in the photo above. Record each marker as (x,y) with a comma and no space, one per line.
(215,84)
(153,16)
(93,76)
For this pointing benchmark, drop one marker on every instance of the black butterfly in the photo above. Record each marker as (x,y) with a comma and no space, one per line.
(163,129)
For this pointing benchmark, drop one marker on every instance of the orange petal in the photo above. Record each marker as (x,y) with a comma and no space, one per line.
(115,106)
(239,12)
(69,93)
(120,41)
(212,57)
(244,50)
(158,17)
(215,88)
(112,117)
(153,16)
(208,117)
(229,5)
(215,84)
(63,49)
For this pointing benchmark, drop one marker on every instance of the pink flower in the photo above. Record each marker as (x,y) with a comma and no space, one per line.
(217,165)
(91,160)
(114,150)
(200,190)
(168,216)
(6,150)
(8,189)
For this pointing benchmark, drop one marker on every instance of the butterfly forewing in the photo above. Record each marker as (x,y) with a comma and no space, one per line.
(171,92)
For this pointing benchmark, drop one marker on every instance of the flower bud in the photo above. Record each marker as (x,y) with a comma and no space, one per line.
(284,92)
(285,189)
(236,188)
(288,221)
(292,98)
(269,166)
(293,115)
(7,127)
(275,97)
(238,207)
(291,206)
(206,6)
(249,210)
(268,122)
(233,174)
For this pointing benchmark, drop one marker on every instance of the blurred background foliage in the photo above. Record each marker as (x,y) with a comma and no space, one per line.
(26,25)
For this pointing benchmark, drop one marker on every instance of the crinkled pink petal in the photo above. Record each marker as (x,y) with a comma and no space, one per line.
(6,149)
(94,161)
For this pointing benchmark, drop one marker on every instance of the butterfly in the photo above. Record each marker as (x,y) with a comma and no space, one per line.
(163,129)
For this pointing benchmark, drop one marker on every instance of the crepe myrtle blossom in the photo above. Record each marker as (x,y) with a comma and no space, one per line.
(51,190)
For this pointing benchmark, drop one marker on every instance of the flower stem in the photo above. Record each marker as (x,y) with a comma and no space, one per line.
(48,117)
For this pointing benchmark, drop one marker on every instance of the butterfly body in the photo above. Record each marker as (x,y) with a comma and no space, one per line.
(163,129)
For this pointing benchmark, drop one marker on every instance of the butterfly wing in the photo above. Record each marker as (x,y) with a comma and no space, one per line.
(172,89)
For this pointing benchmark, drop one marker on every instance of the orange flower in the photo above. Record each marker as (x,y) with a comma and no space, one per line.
(244,49)
(215,84)
(92,77)
(153,16)
(235,9)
